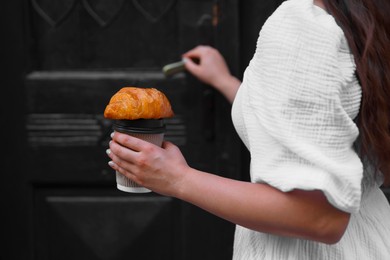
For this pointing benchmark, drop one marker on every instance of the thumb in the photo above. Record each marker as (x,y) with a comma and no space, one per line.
(191,66)
(167,145)
(170,147)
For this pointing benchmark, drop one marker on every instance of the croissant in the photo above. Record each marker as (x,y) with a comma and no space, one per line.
(132,103)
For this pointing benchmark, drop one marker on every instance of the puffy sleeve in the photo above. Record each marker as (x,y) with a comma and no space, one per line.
(306,136)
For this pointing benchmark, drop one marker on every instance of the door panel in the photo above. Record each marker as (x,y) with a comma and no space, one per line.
(104,34)
(102,224)
(80,53)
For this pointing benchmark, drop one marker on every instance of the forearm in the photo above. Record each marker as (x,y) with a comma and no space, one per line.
(302,214)
(228,86)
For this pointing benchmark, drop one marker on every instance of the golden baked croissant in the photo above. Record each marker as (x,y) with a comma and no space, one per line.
(138,103)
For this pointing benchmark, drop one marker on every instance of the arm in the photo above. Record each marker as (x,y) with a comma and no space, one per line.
(302,214)
(260,207)
(212,69)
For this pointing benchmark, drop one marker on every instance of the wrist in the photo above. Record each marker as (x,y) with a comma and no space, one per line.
(223,82)
(228,86)
(181,185)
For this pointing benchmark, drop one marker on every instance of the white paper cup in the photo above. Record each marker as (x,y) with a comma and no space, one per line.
(150,130)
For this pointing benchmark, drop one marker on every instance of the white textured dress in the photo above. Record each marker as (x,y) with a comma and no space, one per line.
(294,112)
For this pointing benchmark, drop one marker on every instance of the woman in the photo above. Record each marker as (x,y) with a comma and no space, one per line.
(318,78)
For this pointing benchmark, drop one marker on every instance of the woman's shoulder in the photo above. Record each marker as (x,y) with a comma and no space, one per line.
(303,15)
(297,23)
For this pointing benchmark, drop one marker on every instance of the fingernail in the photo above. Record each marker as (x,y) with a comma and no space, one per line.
(112,134)
(111,163)
(108,151)
(184,60)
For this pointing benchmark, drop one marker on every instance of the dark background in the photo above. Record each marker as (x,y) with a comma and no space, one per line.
(61,61)
(59,199)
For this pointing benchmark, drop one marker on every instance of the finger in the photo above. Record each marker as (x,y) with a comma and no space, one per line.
(123,157)
(130,142)
(197,55)
(123,171)
(122,166)
(134,161)
(191,66)
(118,160)
(121,151)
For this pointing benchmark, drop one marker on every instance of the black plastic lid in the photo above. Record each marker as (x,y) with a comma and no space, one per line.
(144,126)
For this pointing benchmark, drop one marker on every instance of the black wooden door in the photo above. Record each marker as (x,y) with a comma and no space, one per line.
(61,61)
(69,58)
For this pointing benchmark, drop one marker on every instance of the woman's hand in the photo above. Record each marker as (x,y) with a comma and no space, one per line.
(159,169)
(211,69)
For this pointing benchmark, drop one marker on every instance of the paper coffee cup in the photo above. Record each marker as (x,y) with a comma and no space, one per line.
(150,130)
